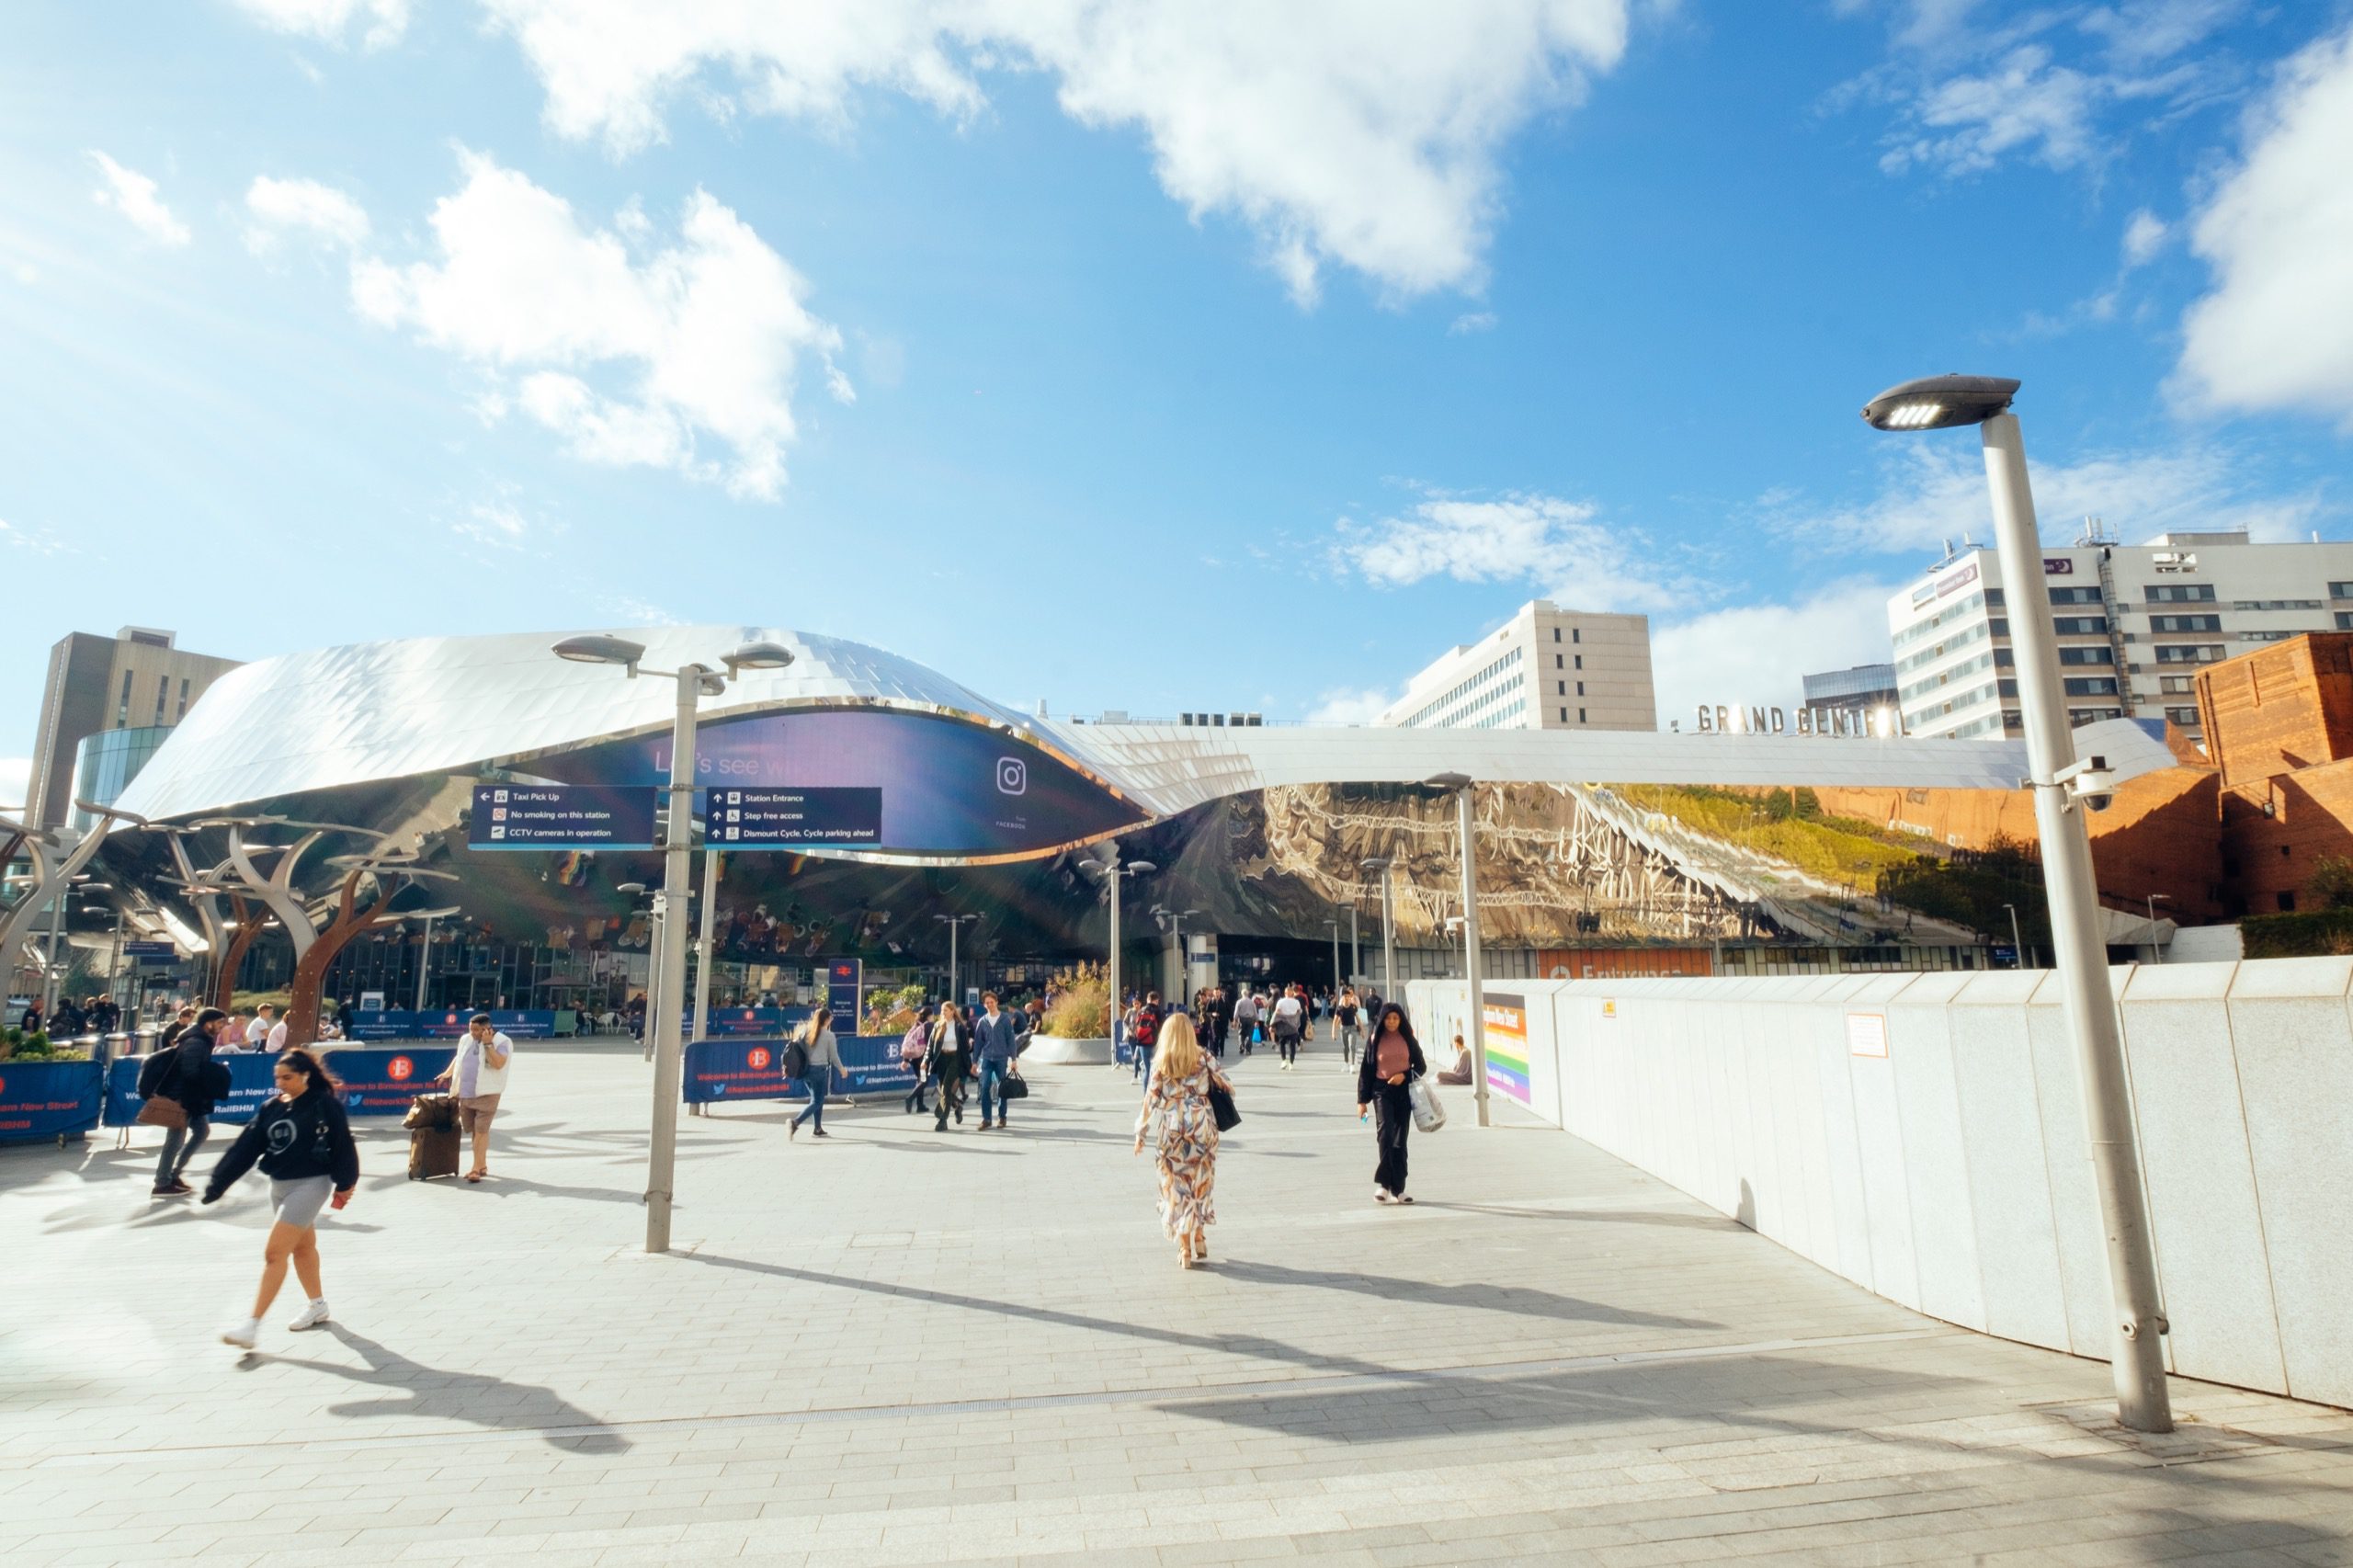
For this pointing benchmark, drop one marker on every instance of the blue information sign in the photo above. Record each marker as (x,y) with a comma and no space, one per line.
(845,979)
(791,818)
(560,816)
(161,952)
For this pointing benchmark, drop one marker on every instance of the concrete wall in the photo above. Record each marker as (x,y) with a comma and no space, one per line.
(1951,1174)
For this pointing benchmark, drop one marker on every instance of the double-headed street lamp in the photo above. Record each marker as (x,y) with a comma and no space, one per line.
(668,1008)
(954,923)
(2064,786)
(1110,870)
(1381,864)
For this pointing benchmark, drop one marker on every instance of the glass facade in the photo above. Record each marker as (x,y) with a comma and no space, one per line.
(106,763)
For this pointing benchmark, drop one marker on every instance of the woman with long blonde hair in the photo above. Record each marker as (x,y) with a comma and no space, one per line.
(1177,1106)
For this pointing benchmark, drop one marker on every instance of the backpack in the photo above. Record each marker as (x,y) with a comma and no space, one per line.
(155,1069)
(912,1048)
(1395,1057)
(796,1059)
(1148,1027)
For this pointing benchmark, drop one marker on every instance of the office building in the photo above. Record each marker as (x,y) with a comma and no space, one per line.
(105,708)
(2136,623)
(1861,690)
(1546,668)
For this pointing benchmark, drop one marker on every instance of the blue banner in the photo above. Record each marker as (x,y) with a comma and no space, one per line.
(845,985)
(754,1069)
(41,1100)
(382,1083)
(448,1023)
(249,1084)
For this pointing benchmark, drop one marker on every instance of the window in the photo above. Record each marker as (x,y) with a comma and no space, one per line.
(1556,634)
(2092,686)
(2187,653)
(1564,715)
(2276,604)
(2089,715)
(2177,686)
(1557,661)
(2094,626)
(2345,621)
(2186,622)
(183,712)
(2340,590)
(2287,903)
(1580,688)
(122,703)
(2074,596)
(2267,636)
(2193,592)
(2086,655)
(1560,689)
(1577,634)
(1580,715)
(163,695)
(2186,716)
(1580,661)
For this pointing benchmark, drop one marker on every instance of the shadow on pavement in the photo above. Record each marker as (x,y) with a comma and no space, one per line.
(1522,1300)
(428,1393)
(1597,1216)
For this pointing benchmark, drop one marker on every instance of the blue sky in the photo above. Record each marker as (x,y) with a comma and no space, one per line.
(1137,354)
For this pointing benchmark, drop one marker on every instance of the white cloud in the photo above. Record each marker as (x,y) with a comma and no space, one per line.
(283,207)
(2277,332)
(135,195)
(2062,85)
(630,362)
(1541,539)
(1758,654)
(1470,321)
(2145,235)
(329,20)
(1934,491)
(1360,133)
(1346,705)
(15,778)
(497,524)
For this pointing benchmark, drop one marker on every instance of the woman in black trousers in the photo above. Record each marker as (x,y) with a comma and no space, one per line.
(1391,1060)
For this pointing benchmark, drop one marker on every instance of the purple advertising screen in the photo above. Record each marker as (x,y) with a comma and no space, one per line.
(948,788)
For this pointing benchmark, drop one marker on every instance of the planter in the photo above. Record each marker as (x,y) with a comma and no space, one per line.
(1052,1051)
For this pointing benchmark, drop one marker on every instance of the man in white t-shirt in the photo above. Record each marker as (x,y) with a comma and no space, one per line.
(1290,1022)
(257,1033)
(477,1074)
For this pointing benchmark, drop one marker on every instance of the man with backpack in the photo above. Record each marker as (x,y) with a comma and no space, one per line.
(1143,1034)
(1290,1023)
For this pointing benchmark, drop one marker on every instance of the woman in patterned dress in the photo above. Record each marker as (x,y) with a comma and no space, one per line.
(1176,1102)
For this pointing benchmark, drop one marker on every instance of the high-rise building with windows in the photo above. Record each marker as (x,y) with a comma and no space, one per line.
(1863,689)
(2136,622)
(104,711)
(1546,668)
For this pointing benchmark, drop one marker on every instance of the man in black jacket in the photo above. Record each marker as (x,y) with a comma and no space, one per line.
(194,1082)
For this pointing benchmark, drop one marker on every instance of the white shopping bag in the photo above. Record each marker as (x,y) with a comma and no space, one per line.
(1429,1115)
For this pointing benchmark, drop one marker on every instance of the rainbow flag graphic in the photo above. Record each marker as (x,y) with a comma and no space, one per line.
(1507,1028)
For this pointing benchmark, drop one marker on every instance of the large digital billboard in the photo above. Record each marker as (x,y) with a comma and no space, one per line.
(949,788)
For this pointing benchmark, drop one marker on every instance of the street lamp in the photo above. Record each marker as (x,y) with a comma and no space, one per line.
(425,944)
(2061,784)
(954,923)
(2018,943)
(668,1008)
(1335,966)
(1184,981)
(1381,864)
(1109,868)
(2155,899)
(1460,784)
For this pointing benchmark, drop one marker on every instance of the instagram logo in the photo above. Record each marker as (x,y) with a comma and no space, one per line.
(1012,775)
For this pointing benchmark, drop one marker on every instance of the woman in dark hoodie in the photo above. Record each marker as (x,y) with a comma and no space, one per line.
(304,1146)
(193,1081)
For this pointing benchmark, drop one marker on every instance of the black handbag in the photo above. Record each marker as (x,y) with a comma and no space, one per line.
(1014,1087)
(1222,1106)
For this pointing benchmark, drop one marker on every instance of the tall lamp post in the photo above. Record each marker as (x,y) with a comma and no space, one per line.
(2018,943)
(2063,788)
(954,923)
(668,1010)
(1356,946)
(1381,864)
(1336,963)
(1110,870)
(2155,899)
(1460,785)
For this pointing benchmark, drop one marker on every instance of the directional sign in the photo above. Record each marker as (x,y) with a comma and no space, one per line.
(788,818)
(560,816)
(148,949)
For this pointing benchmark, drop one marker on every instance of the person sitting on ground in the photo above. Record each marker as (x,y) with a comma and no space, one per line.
(1460,1071)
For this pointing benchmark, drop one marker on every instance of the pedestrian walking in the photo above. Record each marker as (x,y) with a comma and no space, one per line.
(304,1146)
(1176,1110)
(1345,1014)
(1000,1043)
(913,1047)
(1246,1018)
(822,1058)
(1143,1032)
(1290,1022)
(1393,1060)
(951,1062)
(189,1082)
(477,1075)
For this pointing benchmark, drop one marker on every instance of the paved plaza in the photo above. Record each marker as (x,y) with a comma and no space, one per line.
(903,1346)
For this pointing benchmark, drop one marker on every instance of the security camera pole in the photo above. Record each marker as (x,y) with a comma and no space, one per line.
(2062,785)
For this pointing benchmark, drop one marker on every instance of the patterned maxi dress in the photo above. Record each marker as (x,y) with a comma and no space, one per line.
(1180,1109)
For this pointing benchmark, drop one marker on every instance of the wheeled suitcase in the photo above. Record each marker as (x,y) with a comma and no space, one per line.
(432,1151)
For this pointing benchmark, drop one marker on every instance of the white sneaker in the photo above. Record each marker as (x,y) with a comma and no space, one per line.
(311,1316)
(240,1334)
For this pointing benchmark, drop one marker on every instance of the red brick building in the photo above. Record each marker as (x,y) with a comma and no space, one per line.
(2280,721)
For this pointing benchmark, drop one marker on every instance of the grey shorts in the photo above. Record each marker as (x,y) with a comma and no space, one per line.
(298,1202)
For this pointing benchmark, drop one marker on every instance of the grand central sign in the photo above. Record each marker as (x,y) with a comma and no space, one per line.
(1877,724)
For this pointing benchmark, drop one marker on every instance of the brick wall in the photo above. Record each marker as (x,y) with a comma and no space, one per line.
(2280,708)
